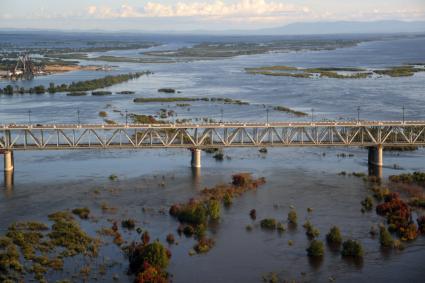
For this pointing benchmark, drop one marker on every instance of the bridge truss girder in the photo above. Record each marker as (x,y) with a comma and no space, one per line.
(207,136)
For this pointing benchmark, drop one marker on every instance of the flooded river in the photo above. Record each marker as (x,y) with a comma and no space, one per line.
(150,181)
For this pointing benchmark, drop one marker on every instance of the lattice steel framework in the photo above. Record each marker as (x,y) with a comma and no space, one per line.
(214,135)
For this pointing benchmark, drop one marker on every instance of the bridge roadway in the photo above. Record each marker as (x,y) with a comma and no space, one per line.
(371,134)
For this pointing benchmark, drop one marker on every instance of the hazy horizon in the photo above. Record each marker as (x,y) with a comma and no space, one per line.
(186,15)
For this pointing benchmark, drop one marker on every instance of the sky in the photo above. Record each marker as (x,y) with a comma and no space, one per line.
(182,15)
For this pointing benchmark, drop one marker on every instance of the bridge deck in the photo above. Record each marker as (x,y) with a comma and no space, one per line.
(228,134)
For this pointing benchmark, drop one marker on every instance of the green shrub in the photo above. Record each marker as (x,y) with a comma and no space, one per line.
(385,237)
(155,254)
(334,236)
(193,213)
(367,203)
(351,248)
(315,249)
(268,223)
(311,231)
(113,177)
(204,245)
(213,206)
(227,200)
(292,217)
(83,212)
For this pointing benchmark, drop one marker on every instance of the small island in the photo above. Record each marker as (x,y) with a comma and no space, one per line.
(336,72)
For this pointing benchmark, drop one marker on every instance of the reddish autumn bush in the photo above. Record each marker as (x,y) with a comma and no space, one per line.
(396,210)
(242,179)
(408,232)
(151,274)
(398,216)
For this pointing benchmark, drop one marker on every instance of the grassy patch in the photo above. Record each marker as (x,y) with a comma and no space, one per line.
(334,72)
(290,111)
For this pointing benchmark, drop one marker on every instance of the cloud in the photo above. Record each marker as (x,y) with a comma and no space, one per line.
(243,9)
(125,11)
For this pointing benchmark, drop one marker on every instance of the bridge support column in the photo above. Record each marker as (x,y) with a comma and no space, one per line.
(8,179)
(375,156)
(8,161)
(196,158)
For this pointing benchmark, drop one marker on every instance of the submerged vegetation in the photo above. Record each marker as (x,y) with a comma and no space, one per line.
(269,223)
(385,237)
(335,73)
(148,261)
(188,99)
(195,215)
(311,231)
(292,217)
(398,216)
(43,248)
(334,236)
(316,249)
(83,212)
(213,50)
(76,87)
(351,248)
(290,111)
(409,178)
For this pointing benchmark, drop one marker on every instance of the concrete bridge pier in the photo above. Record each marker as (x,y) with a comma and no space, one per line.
(375,161)
(8,168)
(8,161)
(375,156)
(196,158)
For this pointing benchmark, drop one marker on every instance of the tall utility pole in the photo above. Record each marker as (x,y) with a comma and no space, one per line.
(221,111)
(267,110)
(403,113)
(358,114)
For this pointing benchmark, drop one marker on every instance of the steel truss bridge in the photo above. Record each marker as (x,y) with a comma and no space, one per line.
(211,135)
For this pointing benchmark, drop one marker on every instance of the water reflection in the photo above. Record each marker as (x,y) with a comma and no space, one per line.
(315,262)
(196,177)
(8,179)
(375,171)
(335,248)
(357,262)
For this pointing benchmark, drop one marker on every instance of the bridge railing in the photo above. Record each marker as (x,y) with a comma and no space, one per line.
(229,134)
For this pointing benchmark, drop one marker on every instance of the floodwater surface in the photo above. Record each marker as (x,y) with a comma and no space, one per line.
(150,181)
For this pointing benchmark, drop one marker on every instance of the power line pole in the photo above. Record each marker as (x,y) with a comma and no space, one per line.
(358,114)
(403,113)
(267,110)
